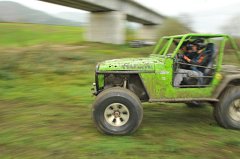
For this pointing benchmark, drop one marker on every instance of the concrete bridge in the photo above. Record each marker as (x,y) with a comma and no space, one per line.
(108,18)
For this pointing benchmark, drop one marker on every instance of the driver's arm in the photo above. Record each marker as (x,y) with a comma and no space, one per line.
(187,59)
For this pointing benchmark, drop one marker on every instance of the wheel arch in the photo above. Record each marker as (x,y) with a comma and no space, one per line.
(229,80)
(134,83)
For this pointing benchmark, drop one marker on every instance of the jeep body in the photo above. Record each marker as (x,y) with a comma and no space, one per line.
(151,78)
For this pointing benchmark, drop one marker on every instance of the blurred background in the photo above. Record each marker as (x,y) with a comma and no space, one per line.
(48,54)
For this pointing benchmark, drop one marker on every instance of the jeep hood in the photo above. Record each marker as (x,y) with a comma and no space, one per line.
(129,64)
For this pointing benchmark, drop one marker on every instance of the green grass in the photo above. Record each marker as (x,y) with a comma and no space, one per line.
(33,34)
(45,110)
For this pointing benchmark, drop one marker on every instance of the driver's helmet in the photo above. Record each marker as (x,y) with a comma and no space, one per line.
(200,43)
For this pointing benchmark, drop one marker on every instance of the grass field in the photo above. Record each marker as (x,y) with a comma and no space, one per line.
(45,106)
(14,34)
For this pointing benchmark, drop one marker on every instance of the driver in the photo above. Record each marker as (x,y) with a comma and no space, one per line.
(194,56)
(200,58)
(187,54)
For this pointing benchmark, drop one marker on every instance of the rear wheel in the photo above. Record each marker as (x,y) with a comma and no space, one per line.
(117,111)
(216,116)
(227,110)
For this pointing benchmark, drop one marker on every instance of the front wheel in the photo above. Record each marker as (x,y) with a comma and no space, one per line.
(117,111)
(227,110)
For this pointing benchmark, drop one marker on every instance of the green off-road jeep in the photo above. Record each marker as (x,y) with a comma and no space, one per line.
(122,84)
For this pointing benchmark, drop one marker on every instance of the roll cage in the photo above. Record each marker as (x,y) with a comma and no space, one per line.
(165,48)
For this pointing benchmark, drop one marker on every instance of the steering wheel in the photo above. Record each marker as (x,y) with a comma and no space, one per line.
(179,58)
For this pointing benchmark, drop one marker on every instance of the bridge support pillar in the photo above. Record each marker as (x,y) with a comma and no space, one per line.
(148,32)
(107,27)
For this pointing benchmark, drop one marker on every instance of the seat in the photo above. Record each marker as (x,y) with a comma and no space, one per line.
(211,55)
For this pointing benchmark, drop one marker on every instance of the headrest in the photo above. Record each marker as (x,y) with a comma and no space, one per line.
(210,48)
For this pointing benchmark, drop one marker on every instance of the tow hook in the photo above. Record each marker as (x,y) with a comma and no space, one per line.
(93,89)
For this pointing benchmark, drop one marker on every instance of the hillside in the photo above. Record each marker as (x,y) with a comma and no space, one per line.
(14,12)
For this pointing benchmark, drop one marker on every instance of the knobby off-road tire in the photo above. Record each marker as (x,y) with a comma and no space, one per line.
(117,111)
(216,116)
(227,110)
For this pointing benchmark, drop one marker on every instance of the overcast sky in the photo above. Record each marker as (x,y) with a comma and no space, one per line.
(206,15)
